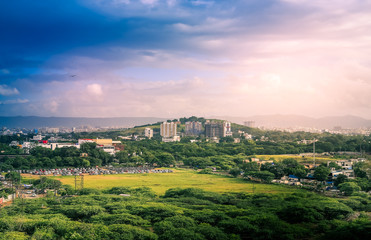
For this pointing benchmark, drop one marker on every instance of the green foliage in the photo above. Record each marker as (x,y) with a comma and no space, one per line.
(250,166)
(277,168)
(348,188)
(205,171)
(264,176)
(361,168)
(122,218)
(81,211)
(235,172)
(141,191)
(44,234)
(210,232)
(364,183)
(122,231)
(341,178)
(187,214)
(321,173)
(298,213)
(13,236)
(66,190)
(47,183)
(358,230)
(15,177)
(196,193)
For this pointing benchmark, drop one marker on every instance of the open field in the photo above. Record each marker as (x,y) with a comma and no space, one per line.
(309,159)
(161,182)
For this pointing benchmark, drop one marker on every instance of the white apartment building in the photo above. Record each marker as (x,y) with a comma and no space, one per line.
(227,129)
(168,129)
(148,132)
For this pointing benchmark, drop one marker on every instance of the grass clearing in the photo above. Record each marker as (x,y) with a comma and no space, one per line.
(300,159)
(161,182)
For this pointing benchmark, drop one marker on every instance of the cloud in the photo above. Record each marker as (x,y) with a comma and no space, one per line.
(4,71)
(7,91)
(94,89)
(148,2)
(190,57)
(51,106)
(200,3)
(14,101)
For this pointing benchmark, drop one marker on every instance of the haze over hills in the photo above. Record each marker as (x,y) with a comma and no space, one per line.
(279,121)
(291,121)
(38,122)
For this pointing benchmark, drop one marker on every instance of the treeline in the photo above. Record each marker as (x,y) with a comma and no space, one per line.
(41,157)
(224,155)
(186,214)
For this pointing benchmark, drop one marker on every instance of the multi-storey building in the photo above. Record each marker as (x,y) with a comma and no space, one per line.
(213,129)
(218,130)
(148,132)
(168,129)
(193,128)
(227,129)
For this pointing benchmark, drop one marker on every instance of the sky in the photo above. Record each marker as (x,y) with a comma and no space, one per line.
(175,58)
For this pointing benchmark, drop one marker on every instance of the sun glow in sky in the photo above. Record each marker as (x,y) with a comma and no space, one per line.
(173,58)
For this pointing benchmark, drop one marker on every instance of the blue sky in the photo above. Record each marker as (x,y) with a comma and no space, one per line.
(174,58)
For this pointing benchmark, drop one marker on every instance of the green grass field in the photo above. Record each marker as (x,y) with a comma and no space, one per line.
(309,159)
(161,182)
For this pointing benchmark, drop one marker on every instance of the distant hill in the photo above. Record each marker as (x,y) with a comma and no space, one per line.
(287,121)
(38,122)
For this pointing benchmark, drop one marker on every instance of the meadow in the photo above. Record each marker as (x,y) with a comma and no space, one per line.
(160,182)
(301,159)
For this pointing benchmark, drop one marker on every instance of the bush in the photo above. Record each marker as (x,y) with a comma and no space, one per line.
(122,231)
(263,175)
(77,212)
(348,188)
(205,171)
(89,191)
(140,191)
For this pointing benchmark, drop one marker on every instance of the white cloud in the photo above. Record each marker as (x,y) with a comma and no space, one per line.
(94,89)
(14,101)
(200,2)
(304,57)
(171,3)
(7,91)
(149,2)
(51,106)
(209,25)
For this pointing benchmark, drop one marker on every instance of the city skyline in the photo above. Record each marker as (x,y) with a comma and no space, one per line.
(174,58)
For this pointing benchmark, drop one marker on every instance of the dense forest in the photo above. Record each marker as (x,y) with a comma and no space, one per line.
(186,214)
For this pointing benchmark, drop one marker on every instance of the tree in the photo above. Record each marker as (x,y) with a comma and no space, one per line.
(334,165)
(235,172)
(250,166)
(290,162)
(341,178)
(15,177)
(263,175)
(348,188)
(360,169)
(277,168)
(47,183)
(86,163)
(299,171)
(165,159)
(321,173)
